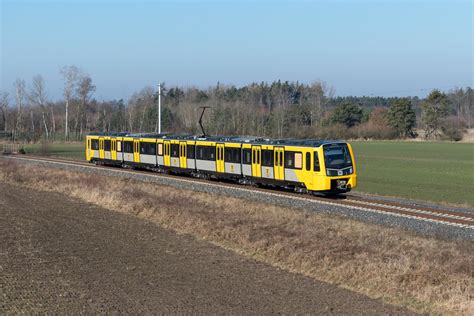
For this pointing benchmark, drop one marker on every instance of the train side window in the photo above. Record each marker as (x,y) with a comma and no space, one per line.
(212,153)
(232,155)
(293,160)
(298,160)
(151,149)
(199,152)
(174,150)
(95,144)
(107,145)
(119,145)
(143,147)
(267,158)
(190,151)
(160,149)
(289,159)
(316,162)
(237,155)
(128,147)
(308,161)
(246,156)
(281,158)
(206,153)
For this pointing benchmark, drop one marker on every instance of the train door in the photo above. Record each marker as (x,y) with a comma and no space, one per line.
(278,170)
(101,148)
(182,155)
(308,168)
(256,161)
(167,147)
(220,166)
(136,150)
(88,149)
(113,149)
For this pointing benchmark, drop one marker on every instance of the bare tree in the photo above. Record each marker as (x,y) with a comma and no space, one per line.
(69,74)
(38,97)
(4,108)
(19,98)
(32,120)
(84,90)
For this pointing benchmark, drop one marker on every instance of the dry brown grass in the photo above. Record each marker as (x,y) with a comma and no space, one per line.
(424,274)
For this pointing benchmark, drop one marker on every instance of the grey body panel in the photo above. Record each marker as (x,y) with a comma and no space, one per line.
(96,154)
(174,162)
(247,170)
(206,165)
(107,155)
(267,172)
(119,156)
(148,159)
(290,175)
(161,161)
(191,164)
(128,157)
(232,168)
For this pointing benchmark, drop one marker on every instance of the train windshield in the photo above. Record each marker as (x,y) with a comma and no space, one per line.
(337,156)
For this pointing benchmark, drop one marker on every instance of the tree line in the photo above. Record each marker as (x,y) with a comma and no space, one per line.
(277,109)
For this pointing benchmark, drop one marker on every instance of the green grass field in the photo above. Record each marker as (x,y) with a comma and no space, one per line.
(436,172)
(75,151)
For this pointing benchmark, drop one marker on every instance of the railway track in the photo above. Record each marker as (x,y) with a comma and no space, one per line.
(441,215)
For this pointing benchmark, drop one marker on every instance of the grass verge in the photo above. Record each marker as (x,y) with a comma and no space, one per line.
(421,273)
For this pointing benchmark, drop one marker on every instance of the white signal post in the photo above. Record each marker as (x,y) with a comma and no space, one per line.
(159,108)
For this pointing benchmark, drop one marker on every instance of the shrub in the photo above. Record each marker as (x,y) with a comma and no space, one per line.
(336,131)
(453,128)
(371,131)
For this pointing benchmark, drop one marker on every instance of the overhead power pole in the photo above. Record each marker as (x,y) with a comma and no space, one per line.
(159,108)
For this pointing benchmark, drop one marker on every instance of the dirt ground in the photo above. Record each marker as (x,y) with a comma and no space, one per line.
(60,255)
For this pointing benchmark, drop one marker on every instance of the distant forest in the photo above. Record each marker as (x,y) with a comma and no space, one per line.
(278,110)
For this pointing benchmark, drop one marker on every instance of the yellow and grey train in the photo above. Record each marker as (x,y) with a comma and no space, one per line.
(300,164)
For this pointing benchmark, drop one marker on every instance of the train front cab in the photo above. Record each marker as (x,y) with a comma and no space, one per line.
(327,179)
(305,168)
(92,148)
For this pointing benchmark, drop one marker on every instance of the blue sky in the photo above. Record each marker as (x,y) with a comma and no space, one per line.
(359,47)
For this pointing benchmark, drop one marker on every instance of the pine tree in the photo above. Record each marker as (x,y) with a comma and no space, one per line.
(402,118)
